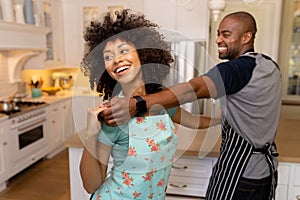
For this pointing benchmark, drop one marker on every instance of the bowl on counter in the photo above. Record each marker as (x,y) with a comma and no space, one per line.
(51,91)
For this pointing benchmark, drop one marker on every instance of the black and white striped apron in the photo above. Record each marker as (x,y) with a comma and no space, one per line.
(235,153)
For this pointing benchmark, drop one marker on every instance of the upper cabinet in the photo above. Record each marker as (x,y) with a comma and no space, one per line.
(18,30)
(52,19)
(77,14)
(289,51)
(189,19)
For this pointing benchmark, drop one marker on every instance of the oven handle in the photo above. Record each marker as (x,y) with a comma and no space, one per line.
(27,127)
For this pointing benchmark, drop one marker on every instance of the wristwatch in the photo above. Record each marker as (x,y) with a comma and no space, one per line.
(141,107)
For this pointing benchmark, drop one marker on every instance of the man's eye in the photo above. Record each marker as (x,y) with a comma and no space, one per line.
(226,35)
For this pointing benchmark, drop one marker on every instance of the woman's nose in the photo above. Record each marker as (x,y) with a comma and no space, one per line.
(118,59)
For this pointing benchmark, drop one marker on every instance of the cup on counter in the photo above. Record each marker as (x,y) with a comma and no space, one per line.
(36,92)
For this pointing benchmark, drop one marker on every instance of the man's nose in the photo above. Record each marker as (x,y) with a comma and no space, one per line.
(218,40)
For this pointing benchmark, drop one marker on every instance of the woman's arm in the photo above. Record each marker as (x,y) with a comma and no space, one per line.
(93,168)
(95,156)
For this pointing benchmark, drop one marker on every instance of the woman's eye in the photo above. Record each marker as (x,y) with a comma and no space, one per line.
(108,57)
(124,51)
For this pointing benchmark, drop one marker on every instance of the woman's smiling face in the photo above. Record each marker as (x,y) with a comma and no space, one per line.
(122,61)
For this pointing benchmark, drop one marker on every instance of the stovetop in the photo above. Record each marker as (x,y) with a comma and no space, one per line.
(24,107)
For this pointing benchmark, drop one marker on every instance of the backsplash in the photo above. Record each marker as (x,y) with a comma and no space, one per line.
(7,89)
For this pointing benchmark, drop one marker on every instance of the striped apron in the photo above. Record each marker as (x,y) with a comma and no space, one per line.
(235,153)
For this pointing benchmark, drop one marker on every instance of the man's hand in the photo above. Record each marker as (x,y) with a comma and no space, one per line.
(119,111)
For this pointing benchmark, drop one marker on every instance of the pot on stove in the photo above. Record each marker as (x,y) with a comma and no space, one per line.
(8,106)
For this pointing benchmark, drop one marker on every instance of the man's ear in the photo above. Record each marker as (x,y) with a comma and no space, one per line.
(247,37)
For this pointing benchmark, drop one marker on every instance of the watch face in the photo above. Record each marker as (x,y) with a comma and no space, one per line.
(141,106)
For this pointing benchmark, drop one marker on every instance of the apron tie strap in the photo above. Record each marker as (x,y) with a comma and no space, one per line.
(269,152)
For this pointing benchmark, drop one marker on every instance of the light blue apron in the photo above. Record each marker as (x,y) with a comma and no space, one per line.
(145,171)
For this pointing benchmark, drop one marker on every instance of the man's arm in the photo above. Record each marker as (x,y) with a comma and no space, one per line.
(120,110)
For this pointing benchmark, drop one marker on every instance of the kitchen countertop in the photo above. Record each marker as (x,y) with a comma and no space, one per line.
(3,117)
(287,140)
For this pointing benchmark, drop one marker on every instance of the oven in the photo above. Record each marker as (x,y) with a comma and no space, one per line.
(28,139)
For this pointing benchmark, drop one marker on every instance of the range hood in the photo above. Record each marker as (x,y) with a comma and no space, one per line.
(15,36)
(23,42)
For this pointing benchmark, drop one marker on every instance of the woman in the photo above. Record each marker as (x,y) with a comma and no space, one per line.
(128,57)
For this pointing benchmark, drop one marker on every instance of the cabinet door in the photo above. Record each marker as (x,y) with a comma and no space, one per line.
(77,13)
(80,105)
(3,152)
(73,40)
(68,123)
(55,126)
(53,20)
(190,18)
(289,50)
(295,195)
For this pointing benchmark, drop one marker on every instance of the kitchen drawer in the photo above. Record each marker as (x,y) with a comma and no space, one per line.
(192,167)
(295,194)
(55,108)
(187,186)
(297,175)
(281,192)
(283,174)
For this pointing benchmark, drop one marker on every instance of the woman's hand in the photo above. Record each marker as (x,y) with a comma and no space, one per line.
(93,125)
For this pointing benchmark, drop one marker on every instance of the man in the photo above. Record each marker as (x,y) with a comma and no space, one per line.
(247,165)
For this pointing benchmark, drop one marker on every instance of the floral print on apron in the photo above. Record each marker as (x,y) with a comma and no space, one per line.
(145,172)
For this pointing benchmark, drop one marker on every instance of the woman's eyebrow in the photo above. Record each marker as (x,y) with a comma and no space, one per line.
(122,44)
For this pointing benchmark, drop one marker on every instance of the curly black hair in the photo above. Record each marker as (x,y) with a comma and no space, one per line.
(153,51)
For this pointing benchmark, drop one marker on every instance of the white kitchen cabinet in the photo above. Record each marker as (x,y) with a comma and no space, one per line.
(76,188)
(289,51)
(190,176)
(294,184)
(78,12)
(60,125)
(288,181)
(189,18)
(3,154)
(283,181)
(80,105)
(68,121)
(55,127)
(52,13)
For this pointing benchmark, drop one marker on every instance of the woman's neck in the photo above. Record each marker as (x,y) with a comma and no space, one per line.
(134,90)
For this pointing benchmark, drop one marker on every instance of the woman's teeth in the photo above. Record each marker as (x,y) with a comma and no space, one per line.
(121,69)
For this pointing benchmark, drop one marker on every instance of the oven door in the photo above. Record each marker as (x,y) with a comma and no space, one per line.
(28,143)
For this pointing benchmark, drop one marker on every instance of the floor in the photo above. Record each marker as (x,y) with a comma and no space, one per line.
(47,180)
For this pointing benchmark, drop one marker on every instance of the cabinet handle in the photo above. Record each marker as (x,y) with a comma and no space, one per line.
(27,127)
(298,197)
(4,143)
(179,167)
(178,186)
